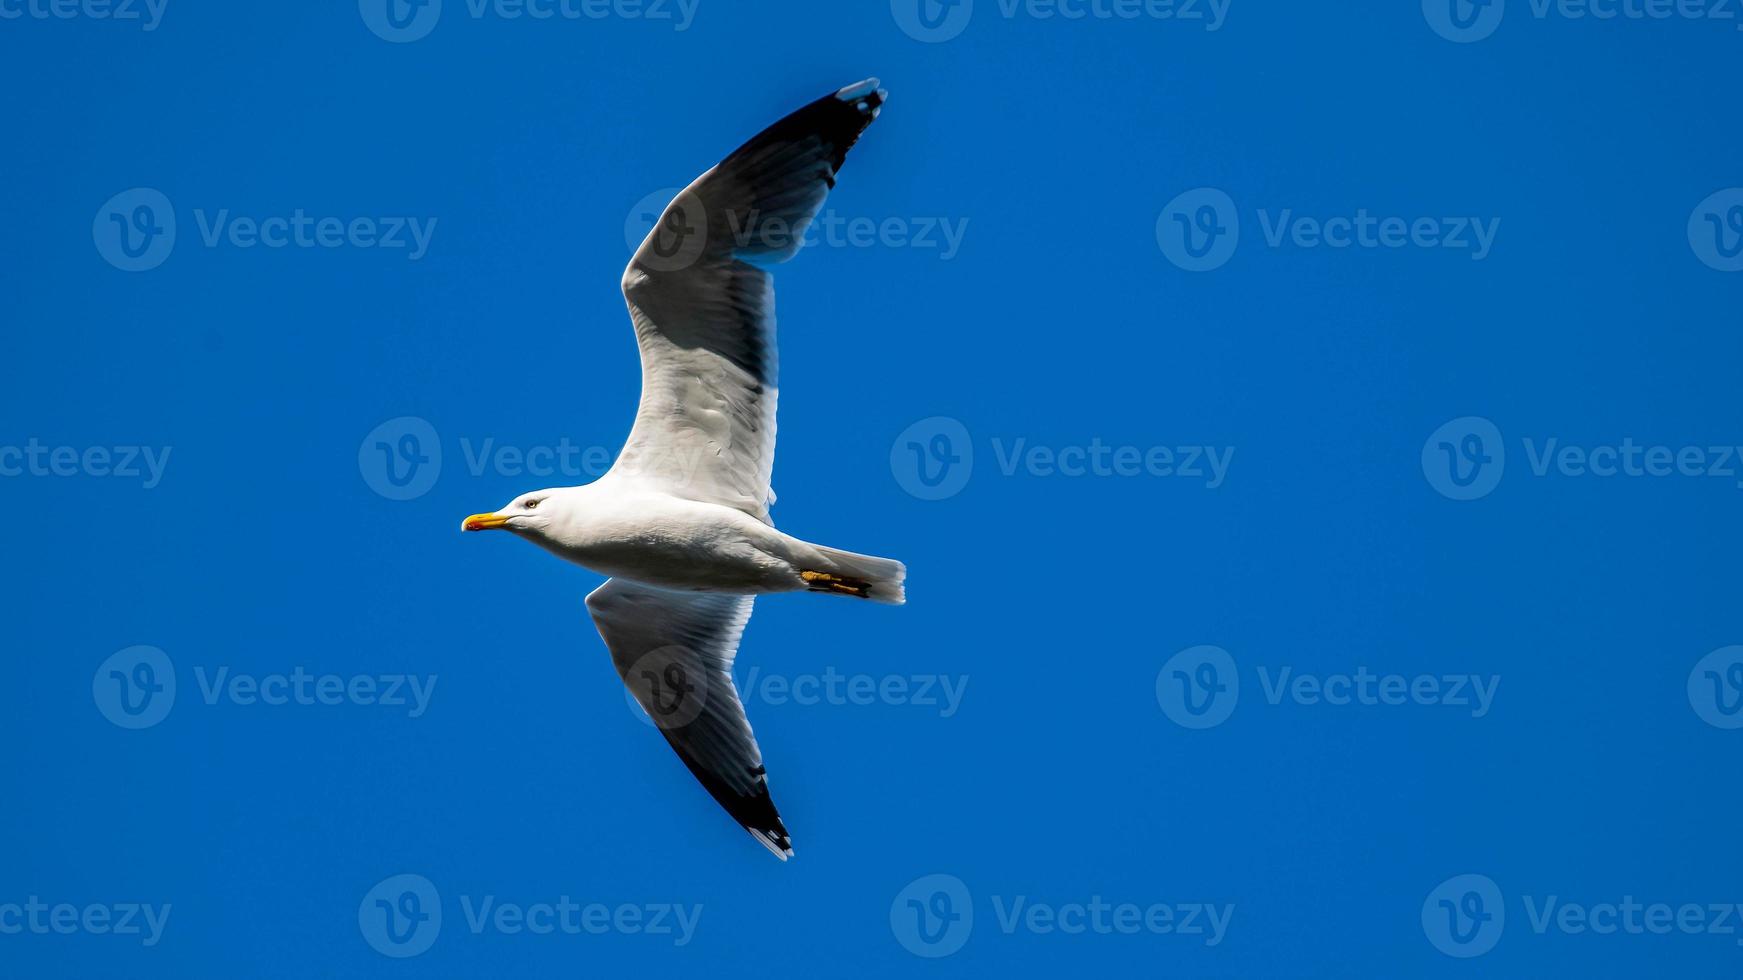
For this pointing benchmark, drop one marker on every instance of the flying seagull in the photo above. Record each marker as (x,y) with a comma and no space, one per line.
(681,522)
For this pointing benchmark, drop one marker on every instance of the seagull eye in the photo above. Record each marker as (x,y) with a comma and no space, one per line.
(531,504)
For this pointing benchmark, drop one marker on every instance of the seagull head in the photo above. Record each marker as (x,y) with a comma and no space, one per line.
(530,513)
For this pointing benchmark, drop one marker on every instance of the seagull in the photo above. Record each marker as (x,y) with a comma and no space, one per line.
(680,523)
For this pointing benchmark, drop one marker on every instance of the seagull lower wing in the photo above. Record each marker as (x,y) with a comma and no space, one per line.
(674,651)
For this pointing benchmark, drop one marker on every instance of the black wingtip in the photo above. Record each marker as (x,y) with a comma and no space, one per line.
(836,120)
(755,811)
(867,96)
(779,846)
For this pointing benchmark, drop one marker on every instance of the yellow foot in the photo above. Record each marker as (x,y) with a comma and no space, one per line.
(825,582)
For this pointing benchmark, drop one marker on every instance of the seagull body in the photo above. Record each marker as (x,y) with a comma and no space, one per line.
(618,528)
(681,522)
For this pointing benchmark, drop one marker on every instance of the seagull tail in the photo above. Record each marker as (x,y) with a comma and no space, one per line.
(860,576)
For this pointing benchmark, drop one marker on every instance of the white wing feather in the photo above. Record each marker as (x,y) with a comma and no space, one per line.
(703,306)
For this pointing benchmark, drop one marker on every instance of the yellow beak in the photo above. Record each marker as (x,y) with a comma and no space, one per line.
(483,522)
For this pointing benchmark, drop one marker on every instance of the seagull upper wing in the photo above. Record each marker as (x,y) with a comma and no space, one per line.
(674,651)
(704,305)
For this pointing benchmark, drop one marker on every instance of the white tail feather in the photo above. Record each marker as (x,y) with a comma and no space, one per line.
(865,576)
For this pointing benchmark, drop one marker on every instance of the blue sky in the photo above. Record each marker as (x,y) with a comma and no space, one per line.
(1307,430)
